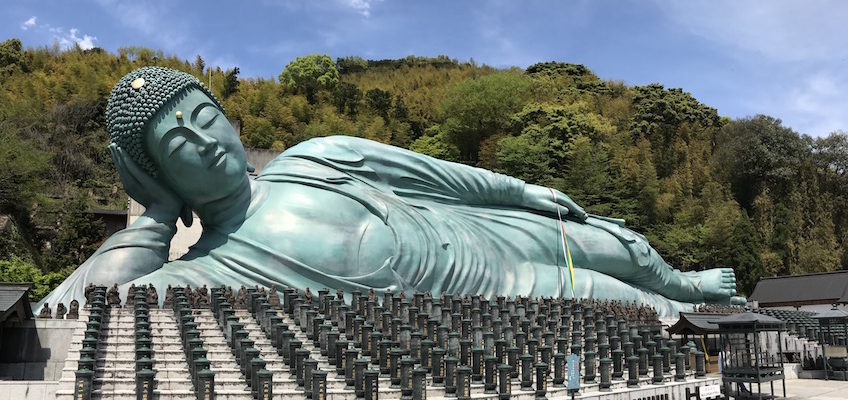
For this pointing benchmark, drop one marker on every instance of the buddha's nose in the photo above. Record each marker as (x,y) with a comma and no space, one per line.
(207,143)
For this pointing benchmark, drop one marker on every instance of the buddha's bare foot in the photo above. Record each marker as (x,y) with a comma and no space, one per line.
(717,285)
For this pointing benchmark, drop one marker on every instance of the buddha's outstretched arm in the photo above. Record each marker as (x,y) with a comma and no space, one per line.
(129,254)
(413,175)
(133,252)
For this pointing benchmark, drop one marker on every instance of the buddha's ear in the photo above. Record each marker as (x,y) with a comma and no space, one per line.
(186,216)
(250,168)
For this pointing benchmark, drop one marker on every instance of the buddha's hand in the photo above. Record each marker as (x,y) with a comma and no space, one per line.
(548,200)
(161,202)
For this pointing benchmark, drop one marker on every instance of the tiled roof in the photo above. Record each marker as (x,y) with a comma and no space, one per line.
(10,295)
(821,288)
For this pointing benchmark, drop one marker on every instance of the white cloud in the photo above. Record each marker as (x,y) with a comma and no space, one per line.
(811,103)
(778,30)
(28,23)
(85,42)
(492,24)
(69,39)
(818,102)
(798,49)
(155,20)
(361,6)
(66,39)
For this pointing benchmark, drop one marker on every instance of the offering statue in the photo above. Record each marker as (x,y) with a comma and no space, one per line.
(73,313)
(345,212)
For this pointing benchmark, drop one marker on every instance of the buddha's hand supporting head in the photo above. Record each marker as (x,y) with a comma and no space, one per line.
(175,131)
(148,191)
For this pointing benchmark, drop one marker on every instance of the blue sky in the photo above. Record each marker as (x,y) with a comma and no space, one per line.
(785,59)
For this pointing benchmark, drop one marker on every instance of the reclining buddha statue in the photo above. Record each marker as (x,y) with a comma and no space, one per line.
(345,212)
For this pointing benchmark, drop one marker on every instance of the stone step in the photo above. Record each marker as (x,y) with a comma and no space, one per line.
(111,384)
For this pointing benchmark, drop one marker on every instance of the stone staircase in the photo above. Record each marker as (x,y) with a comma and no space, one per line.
(115,357)
(284,381)
(230,382)
(114,375)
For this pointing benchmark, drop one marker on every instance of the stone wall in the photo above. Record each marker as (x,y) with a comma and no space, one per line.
(35,350)
(28,390)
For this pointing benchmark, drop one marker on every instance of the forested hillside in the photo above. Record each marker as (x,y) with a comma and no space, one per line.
(706,190)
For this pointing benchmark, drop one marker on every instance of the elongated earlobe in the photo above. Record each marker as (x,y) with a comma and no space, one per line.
(250,168)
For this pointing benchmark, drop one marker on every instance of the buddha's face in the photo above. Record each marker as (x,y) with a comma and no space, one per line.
(195,148)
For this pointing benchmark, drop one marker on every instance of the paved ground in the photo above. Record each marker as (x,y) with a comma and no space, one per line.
(814,389)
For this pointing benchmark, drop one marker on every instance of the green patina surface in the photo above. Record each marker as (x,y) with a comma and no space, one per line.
(345,212)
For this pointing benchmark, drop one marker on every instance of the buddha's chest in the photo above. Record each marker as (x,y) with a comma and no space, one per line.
(321,229)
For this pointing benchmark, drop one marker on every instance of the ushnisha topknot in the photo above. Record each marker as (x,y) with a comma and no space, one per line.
(136,98)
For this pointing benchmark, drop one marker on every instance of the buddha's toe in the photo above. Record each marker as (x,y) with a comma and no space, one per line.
(718,284)
(728,283)
(738,301)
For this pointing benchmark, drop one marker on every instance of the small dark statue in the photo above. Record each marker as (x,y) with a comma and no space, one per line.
(152,296)
(274,298)
(241,300)
(89,294)
(73,313)
(113,298)
(169,297)
(130,296)
(46,312)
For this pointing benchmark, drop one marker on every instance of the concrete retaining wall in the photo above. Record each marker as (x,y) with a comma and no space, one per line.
(35,350)
(28,390)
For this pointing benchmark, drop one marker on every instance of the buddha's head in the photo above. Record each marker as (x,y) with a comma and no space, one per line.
(175,129)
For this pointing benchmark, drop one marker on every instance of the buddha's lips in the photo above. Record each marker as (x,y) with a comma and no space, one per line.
(220,154)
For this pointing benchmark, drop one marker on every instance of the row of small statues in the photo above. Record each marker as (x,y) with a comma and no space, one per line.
(61,311)
(113,298)
(627,311)
(199,297)
(718,309)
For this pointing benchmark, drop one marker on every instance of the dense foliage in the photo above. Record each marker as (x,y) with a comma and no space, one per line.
(707,191)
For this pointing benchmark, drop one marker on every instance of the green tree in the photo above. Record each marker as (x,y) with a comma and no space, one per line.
(743,254)
(587,178)
(199,65)
(259,133)
(830,155)
(351,64)
(347,96)
(17,270)
(309,74)
(78,237)
(757,153)
(231,82)
(399,111)
(11,56)
(560,68)
(556,127)
(524,157)
(436,146)
(658,116)
(22,169)
(477,108)
(379,101)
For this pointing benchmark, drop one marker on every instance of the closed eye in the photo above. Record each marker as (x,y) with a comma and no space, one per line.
(175,144)
(211,119)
